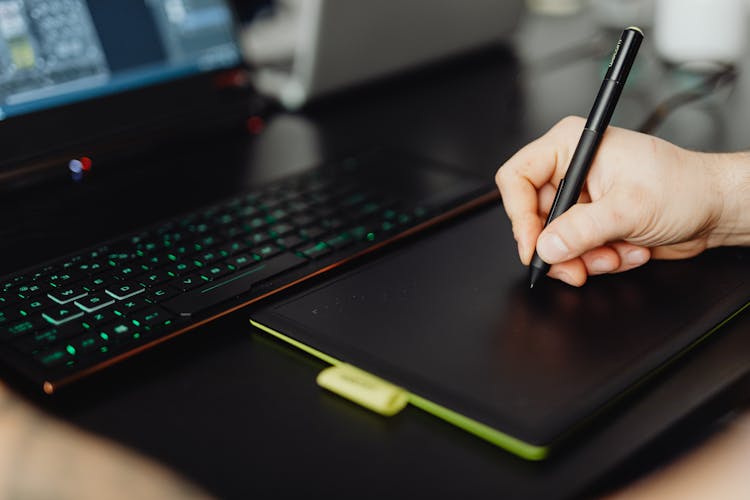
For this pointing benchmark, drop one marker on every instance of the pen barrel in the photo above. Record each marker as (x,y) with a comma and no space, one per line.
(617,73)
(624,55)
(604,106)
(570,187)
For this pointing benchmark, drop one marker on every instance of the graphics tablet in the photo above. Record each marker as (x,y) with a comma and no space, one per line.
(450,319)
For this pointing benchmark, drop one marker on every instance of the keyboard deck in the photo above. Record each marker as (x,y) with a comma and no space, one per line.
(66,319)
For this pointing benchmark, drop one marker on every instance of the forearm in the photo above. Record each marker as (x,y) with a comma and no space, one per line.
(718,470)
(732,171)
(41,457)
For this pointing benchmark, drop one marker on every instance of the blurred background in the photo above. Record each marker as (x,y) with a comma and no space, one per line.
(688,72)
(471,82)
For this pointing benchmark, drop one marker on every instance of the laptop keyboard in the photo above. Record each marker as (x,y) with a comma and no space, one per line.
(70,317)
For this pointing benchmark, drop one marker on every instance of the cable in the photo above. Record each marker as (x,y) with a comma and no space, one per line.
(709,85)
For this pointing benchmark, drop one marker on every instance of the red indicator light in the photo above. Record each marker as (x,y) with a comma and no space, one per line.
(255,125)
(85,163)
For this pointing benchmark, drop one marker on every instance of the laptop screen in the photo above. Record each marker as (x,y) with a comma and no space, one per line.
(57,52)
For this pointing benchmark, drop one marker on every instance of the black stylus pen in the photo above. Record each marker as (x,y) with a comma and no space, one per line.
(601,112)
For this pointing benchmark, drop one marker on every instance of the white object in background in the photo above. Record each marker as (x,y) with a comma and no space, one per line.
(554,7)
(618,14)
(701,31)
(272,38)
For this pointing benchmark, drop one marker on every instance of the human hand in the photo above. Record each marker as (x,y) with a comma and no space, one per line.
(42,457)
(643,198)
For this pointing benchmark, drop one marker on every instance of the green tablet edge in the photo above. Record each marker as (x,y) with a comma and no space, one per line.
(514,445)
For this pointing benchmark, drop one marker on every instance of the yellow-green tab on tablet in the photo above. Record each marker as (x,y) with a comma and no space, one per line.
(364,389)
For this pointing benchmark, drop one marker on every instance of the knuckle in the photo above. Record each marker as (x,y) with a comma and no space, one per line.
(581,230)
(570,122)
(501,176)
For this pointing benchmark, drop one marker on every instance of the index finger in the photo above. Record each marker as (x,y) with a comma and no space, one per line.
(523,175)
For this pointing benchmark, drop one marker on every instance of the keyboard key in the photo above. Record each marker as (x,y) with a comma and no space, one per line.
(152,318)
(62,314)
(303,220)
(154,278)
(259,239)
(9,315)
(315,251)
(333,223)
(221,290)
(65,295)
(8,300)
(340,241)
(216,271)
(206,258)
(189,282)
(267,251)
(94,302)
(55,357)
(99,317)
(33,305)
(240,261)
(124,290)
(180,268)
(282,229)
(129,306)
(290,241)
(20,328)
(88,344)
(64,279)
(127,272)
(162,293)
(120,332)
(96,283)
(312,232)
(45,338)
(232,248)
(28,291)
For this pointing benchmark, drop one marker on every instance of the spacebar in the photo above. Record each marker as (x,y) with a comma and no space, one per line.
(218,291)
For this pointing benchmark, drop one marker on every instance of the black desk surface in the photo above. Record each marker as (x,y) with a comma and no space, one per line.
(240,414)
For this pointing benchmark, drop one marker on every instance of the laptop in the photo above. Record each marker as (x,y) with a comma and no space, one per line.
(127,215)
(315,47)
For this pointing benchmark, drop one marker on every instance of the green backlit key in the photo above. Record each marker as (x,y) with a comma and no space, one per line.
(20,328)
(153,317)
(94,301)
(129,306)
(339,241)
(62,314)
(67,294)
(160,294)
(315,251)
(55,357)
(124,289)
(45,338)
(241,261)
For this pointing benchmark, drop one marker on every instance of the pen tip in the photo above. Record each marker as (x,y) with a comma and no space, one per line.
(534,275)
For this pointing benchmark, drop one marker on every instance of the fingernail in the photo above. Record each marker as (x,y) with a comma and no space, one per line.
(562,276)
(552,248)
(521,250)
(636,257)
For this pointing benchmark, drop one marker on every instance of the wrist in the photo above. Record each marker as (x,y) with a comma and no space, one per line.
(732,175)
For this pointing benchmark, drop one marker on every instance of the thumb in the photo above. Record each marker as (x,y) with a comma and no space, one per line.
(582,227)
